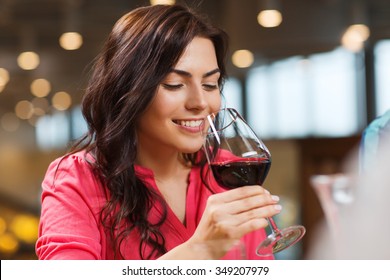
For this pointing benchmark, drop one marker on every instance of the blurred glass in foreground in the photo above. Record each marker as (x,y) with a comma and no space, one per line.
(363,226)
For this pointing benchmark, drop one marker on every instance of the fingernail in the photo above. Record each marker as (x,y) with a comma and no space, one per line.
(275,198)
(278,207)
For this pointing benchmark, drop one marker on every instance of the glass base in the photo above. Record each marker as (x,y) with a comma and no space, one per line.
(280,240)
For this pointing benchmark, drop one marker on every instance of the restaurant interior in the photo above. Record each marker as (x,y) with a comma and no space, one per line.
(309,77)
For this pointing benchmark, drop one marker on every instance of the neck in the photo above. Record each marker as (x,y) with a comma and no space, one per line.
(163,163)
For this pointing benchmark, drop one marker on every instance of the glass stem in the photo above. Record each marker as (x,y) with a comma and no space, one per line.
(274,227)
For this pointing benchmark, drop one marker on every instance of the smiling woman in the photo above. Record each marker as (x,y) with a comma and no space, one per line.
(186,96)
(136,186)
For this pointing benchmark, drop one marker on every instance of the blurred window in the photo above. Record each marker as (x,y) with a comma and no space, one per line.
(382,71)
(78,123)
(57,130)
(52,131)
(300,97)
(232,94)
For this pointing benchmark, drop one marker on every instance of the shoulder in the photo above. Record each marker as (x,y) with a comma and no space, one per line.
(70,169)
(79,158)
(71,203)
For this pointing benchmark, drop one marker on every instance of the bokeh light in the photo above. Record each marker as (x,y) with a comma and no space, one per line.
(40,87)
(242,58)
(71,40)
(28,60)
(61,100)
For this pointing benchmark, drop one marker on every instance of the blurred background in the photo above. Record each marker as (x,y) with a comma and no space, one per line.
(308,75)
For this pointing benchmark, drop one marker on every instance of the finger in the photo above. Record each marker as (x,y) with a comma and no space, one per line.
(233,230)
(250,203)
(258,213)
(235,220)
(228,223)
(252,225)
(242,192)
(249,221)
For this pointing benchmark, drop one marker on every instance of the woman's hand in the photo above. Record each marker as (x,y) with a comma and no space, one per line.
(229,216)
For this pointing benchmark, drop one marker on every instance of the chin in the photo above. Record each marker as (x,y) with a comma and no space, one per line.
(191,150)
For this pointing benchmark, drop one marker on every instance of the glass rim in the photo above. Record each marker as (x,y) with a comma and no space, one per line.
(235,116)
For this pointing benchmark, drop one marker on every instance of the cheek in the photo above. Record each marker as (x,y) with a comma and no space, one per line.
(215,102)
(163,104)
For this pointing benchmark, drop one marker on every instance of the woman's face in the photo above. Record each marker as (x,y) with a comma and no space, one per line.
(184,98)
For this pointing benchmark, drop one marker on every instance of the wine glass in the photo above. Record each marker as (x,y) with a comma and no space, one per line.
(333,192)
(237,157)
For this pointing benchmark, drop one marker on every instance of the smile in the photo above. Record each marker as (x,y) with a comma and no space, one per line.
(192,123)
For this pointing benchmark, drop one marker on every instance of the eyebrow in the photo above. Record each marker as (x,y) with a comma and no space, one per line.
(188,74)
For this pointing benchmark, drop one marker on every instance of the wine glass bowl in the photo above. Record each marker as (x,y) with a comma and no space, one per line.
(235,154)
(237,157)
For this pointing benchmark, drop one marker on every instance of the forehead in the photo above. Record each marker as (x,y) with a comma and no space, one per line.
(199,53)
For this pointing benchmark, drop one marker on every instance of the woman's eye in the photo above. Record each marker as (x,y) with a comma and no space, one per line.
(210,86)
(172,86)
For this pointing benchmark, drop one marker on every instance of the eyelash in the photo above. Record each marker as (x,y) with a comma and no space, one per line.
(208,87)
(172,87)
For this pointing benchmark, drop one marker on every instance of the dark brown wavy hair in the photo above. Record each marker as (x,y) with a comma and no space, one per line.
(140,51)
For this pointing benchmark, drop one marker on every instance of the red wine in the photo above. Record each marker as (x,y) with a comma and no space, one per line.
(234,174)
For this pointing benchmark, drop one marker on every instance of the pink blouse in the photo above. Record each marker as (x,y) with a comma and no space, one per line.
(72,199)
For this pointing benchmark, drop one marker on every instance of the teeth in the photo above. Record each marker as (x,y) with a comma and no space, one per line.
(190,123)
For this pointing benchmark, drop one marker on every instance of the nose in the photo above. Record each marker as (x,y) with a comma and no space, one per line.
(196,99)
